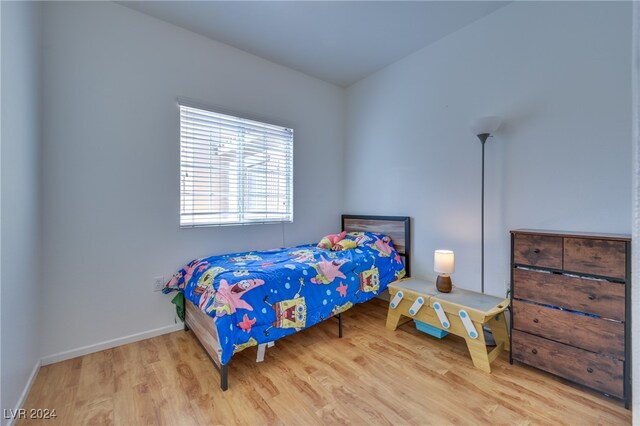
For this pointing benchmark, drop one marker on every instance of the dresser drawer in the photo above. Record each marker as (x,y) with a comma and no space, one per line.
(592,370)
(597,257)
(602,298)
(536,250)
(593,334)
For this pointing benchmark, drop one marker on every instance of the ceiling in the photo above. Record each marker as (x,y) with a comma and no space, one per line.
(335,41)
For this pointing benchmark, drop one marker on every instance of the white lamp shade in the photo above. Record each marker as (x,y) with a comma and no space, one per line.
(483,125)
(443,262)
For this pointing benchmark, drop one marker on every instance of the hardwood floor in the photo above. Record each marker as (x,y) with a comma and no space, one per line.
(371,376)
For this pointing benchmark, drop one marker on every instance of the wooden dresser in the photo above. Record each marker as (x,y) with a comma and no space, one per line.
(570,295)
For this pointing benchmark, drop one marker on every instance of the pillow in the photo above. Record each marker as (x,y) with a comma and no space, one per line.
(345,244)
(330,240)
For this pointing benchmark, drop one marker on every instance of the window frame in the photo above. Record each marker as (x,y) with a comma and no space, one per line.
(182,102)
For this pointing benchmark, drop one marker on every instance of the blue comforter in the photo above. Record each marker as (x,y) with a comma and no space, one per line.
(258,297)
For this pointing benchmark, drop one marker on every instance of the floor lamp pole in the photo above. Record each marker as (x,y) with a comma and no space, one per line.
(488,337)
(483,138)
(482,226)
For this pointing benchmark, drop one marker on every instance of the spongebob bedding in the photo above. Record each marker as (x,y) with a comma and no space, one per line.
(258,297)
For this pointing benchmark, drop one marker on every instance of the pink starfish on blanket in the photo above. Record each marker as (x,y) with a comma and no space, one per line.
(190,269)
(175,282)
(228,298)
(246,323)
(383,247)
(328,270)
(342,289)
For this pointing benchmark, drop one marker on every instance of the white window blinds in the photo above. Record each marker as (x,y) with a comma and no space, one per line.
(233,170)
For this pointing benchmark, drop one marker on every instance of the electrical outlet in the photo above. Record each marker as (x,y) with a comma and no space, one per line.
(158,283)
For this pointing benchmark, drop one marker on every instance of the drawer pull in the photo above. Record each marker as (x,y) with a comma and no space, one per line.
(535,320)
(536,251)
(534,351)
(589,370)
(592,297)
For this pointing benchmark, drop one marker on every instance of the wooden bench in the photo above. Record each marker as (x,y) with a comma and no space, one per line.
(463,313)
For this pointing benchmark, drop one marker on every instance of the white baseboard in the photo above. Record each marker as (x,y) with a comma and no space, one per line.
(50,359)
(87,350)
(25,391)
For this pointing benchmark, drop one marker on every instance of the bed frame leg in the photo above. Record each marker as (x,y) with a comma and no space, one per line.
(224,377)
(262,347)
(339,325)
(186,327)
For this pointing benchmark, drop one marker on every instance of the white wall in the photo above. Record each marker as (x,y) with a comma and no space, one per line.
(20,234)
(110,163)
(635,243)
(559,74)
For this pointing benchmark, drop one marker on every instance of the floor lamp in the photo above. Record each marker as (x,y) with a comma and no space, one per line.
(483,127)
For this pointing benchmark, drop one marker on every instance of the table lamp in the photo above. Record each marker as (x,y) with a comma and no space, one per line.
(443,264)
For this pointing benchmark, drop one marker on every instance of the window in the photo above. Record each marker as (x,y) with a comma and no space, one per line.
(233,170)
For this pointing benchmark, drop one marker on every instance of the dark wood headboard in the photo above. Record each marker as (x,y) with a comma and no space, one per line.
(396,227)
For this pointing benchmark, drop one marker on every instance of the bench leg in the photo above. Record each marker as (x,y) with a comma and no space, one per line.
(395,318)
(478,350)
(498,325)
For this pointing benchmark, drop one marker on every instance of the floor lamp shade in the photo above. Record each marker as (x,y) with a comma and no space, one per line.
(484,125)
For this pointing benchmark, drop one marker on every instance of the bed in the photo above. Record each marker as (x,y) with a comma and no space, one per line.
(236,301)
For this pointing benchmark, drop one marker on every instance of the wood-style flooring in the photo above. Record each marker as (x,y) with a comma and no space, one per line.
(371,376)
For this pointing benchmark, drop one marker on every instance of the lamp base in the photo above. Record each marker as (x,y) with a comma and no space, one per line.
(443,284)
